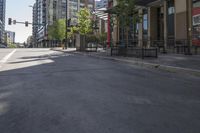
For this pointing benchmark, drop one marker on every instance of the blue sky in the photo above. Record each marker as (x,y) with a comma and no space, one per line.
(19,10)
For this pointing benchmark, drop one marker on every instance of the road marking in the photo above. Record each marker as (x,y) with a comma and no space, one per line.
(5,59)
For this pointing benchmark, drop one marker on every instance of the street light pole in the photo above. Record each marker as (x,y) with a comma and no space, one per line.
(66,22)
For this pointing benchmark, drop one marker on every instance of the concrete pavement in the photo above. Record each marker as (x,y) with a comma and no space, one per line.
(43,91)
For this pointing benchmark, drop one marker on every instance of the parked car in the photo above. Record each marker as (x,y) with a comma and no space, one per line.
(92,47)
(2,46)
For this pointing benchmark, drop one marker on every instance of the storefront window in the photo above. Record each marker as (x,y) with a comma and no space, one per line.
(145,23)
(171,11)
(196,22)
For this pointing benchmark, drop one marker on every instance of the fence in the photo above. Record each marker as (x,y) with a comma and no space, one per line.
(132,51)
(145,48)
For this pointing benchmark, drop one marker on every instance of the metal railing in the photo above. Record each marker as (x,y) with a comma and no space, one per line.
(133,50)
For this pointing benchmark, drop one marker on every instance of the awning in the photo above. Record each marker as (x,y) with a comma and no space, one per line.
(145,2)
(100,13)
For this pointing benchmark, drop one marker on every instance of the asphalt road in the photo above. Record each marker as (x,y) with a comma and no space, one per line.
(43,91)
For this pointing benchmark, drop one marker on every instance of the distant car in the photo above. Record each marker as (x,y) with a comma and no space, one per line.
(2,46)
(91,47)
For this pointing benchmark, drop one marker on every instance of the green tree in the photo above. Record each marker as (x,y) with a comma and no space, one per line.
(84,21)
(103,37)
(51,32)
(126,14)
(11,45)
(84,25)
(57,30)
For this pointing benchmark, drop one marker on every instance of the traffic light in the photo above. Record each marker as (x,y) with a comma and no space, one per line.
(26,23)
(9,21)
(14,21)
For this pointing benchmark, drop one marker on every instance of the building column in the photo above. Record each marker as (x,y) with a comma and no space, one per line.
(165,26)
(140,28)
(189,23)
(109,26)
(149,27)
(181,19)
(114,36)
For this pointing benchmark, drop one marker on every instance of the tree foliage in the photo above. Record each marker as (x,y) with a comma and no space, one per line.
(57,30)
(84,21)
(51,32)
(125,14)
(103,37)
(61,27)
(126,9)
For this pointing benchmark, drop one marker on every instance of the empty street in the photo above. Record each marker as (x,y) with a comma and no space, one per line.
(44,91)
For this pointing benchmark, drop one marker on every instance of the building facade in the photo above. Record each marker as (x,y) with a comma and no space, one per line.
(46,12)
(73,7)
(35,22)
(101,17)
(9,37)
(2,19)
(170,22)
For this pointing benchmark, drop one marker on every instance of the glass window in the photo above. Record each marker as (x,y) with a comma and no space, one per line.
(171,18)
(145,24)
(196,22)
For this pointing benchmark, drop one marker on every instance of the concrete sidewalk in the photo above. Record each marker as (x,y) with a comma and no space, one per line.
(169,62)
(63,50)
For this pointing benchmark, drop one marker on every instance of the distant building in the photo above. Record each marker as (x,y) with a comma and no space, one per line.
(35,22)
(9,37)
(29,42)
(73,7)
(2,19)
(41,19)
(101,4)
(46,12)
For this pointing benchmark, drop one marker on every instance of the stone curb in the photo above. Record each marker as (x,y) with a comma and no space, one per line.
(148,65)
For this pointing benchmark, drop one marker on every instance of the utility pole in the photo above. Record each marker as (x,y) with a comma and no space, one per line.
(66,22)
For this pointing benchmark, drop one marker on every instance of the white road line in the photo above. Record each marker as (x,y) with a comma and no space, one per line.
(5,59)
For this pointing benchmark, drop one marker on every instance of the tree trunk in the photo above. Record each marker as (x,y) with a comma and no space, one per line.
(127,41)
